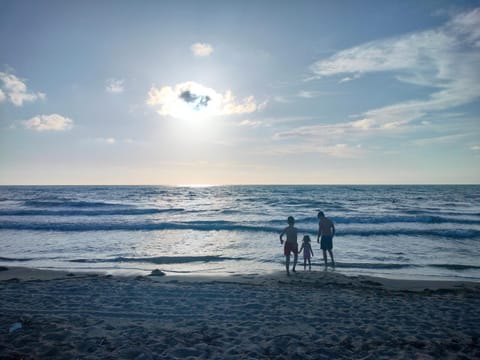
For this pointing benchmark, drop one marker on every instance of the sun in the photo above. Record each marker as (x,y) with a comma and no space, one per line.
(188,101)
(195,109)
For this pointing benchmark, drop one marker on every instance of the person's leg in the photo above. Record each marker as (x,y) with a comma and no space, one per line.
(309,265)
(287,263)
(331,256)
(325,257)
(295,259)
(304,264)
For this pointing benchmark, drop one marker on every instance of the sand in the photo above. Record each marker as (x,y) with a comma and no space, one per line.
(317,315)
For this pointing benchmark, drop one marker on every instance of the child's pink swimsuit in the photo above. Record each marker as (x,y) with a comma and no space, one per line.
(306,253)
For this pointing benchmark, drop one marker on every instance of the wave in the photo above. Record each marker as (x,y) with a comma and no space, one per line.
(15,259)
(162,259)
(123,226)
(436,211)
(68,203)
(424,219)
(373,265)
(74,212)
(456,267)
(169,260)
(229,226)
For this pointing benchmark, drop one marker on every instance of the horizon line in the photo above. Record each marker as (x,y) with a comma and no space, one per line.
(252,184)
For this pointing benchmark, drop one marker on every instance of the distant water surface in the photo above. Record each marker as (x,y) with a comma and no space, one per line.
(416,231)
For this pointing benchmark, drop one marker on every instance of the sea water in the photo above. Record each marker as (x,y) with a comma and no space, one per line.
(419,231)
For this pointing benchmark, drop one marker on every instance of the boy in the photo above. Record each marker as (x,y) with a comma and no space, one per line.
(291,244)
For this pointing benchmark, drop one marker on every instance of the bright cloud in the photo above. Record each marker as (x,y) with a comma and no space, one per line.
(15,90)
(201,49)
(53,122)
(193,99)
(475,148)
(250,123)
(114,86)
(446,58)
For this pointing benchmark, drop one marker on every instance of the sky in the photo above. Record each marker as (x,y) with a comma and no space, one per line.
(239,92)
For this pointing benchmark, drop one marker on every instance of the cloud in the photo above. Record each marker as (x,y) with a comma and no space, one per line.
(440,139)
(115,86)
(250,123)
(53,122)
(445,58)
(337,150)
(193,99)
(15,90)
(308,94)
(475,148)
(348,78)
(109,140)
(201,49)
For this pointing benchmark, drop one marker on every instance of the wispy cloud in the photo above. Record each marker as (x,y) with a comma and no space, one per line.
(440,139)
(53,122)
(191,98)
(309,94)
(115,86)
(250,123)
(201,49)
(445,58)
(108,140)
(475,148)
(14,90)
(337,150)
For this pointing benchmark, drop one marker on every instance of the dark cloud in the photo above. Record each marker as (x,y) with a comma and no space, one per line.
(197,101)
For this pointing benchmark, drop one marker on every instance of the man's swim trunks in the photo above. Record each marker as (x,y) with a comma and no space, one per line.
(326,242)
(290,247)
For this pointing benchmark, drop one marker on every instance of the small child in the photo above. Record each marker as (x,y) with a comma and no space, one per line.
(307,252)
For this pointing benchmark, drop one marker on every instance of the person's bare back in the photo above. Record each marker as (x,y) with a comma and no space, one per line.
(325,226)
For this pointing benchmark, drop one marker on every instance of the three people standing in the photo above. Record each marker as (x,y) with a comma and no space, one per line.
(326,232)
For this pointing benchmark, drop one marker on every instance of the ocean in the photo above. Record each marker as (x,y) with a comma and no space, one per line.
(405,232)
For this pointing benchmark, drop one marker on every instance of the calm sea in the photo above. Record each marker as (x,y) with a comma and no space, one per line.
(393,231)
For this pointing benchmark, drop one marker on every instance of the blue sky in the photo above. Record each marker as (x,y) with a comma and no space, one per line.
(230,92)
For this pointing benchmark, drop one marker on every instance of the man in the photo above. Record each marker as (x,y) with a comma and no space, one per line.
(326,230)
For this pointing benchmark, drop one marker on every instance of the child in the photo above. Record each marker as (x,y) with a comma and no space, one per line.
(291,244)
(307,252)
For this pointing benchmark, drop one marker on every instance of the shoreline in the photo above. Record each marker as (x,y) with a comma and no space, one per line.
(21,273)
(309,315)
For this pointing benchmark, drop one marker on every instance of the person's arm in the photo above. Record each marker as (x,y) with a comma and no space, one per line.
(301,248)
(333,230)
(318,236)
(281,236)
(311,250)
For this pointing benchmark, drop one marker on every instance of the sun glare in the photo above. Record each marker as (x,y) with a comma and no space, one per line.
(190,111)
(195,185)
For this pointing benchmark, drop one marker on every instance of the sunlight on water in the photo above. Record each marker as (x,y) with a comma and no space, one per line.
(195,185)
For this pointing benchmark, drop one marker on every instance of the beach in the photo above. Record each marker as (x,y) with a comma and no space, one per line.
(310,315)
